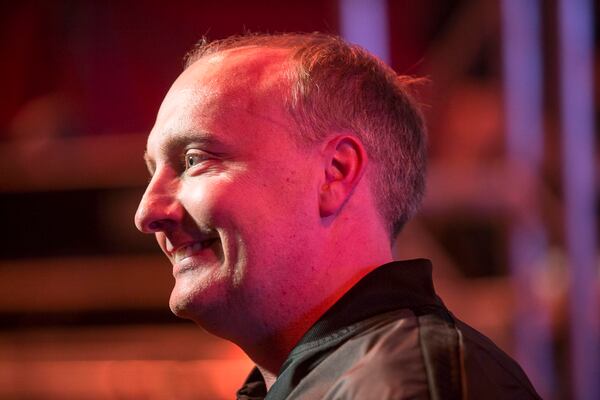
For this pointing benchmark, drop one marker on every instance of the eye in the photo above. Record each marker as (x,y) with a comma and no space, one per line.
(193,158)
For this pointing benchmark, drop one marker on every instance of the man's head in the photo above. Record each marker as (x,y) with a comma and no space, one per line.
(269,162)
(338,87)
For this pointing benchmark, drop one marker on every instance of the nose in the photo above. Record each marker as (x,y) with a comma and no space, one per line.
(159,210)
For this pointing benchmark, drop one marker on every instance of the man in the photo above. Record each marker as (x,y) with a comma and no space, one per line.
(283,167)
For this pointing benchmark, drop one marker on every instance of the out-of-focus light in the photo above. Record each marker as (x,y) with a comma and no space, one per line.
(522,79)
(365,22)
(577,119)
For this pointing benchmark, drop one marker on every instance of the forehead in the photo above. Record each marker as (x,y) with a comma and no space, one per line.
(233,68)
(220,92)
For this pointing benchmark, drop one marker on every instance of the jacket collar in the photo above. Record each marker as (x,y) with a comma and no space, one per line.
(396,285)
(393,286)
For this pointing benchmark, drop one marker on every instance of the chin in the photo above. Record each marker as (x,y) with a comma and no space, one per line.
(203,305)
(179,308)
(184,299)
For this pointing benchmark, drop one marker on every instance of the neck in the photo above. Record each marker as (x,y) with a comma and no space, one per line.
(269,354)
(276,318)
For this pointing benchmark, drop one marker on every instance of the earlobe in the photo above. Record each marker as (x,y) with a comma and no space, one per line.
(344,164)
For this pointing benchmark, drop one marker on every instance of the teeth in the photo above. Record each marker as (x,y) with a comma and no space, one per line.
(188,251)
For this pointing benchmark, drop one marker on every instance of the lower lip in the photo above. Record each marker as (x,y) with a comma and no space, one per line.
(202,259)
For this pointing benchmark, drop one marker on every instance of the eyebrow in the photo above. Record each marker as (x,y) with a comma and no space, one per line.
(182,139)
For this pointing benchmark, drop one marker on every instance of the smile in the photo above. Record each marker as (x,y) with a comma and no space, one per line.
(191,249)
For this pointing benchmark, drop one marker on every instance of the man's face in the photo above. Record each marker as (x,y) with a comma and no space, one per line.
(232,199)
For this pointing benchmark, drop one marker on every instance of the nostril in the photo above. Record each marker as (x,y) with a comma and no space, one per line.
(160,225)
(154,225)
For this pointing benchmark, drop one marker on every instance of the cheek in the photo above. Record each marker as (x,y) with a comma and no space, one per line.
(204,198)
(268,203)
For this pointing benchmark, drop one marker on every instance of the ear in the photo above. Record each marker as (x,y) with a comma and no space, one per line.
(345,162)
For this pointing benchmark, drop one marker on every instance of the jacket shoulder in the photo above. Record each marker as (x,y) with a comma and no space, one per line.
(423,355)
(486,367)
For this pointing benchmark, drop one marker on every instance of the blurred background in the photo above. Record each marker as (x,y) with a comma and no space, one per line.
(509,220)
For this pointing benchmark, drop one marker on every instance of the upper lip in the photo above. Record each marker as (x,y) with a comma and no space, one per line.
(172,246)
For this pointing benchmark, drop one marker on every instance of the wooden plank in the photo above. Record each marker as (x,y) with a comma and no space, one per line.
(135,379)
(150,362)
(184,342)
(82,162)
(85,283)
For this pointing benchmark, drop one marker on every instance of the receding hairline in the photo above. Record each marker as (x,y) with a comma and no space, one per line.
(265,68)
(283,41)
(222,53)
(263,49)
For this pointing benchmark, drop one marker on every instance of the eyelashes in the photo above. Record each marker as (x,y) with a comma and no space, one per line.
(193,158)
(198,160)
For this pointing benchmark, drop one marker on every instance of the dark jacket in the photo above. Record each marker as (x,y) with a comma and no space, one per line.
(391,337)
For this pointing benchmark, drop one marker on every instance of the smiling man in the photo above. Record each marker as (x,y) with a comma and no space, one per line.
(283,167)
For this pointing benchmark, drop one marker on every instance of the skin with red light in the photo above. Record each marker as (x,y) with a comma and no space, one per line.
(287,228)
